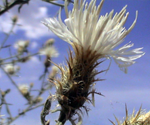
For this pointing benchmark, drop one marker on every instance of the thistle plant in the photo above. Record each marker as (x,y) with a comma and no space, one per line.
(93,39)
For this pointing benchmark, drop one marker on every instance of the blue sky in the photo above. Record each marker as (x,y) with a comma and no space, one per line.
(119,89)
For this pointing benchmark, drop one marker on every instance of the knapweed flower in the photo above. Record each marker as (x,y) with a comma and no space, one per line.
(24,89)
(21,43)
(11,69)
(21,46)
(83,27)
(92,37)
(49,51)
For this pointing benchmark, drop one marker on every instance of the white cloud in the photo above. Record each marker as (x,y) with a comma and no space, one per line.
(30,19)
(34,60)
(34,44)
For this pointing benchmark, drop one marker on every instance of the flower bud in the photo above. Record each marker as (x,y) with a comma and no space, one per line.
(39,99)
(15,19)
(49,51)
(53,72)
(11,69)
(21,46)
(24,89)
(2,93)
(49,42)
(31,84)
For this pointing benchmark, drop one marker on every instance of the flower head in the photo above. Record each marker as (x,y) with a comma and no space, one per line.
(53,72)
(49,51)
(21,46)
(15,19)
(92,38)
(83,27)
(22,43)
(24,89)
(11,69)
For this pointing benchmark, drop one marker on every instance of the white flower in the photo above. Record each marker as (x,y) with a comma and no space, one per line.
(21,46)
(103,34)
(21,43)
(49,51)
(11,69)
(24,89)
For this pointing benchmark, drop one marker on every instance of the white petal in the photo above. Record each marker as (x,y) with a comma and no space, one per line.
(102,34)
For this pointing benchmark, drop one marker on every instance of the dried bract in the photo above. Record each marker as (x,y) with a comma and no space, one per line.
(139,118)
